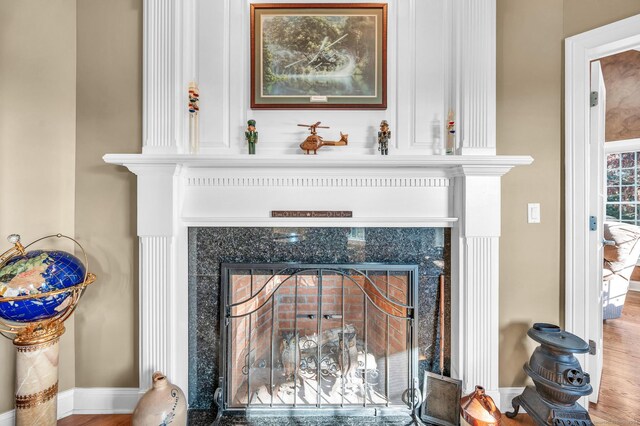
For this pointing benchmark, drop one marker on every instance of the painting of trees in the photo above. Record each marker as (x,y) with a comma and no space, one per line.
(316,53)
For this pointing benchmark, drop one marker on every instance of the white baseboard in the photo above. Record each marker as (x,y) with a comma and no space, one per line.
(89,401)
(7,418)
(634,285)
(124,400)
(104,400)
(65,403)
(506,395)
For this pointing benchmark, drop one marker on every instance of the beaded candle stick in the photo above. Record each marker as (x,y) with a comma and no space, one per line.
(451,133)
(194,111)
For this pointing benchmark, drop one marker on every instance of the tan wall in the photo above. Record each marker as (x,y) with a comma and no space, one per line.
(530,98)
(585,15)
(37,140)
(109,120)
(37,127)
(529,52)
(530,63)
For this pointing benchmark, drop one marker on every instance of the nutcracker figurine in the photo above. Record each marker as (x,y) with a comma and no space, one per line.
(252,136)
(383,138)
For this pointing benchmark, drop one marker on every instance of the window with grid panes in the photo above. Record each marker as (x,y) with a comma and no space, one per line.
(623,176)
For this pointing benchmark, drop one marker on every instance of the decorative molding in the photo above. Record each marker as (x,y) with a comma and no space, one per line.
(376,222)
(8,418)
(226,78)
(65,403)
(179,190)
(35,399)
(89,401)
(581,305)
(626,145)
(413,66)
(475,22)
(158,76)
(105,400)
(446,164)
(506,395)
(317,182)
(156,260)
(480,328)
(39,346)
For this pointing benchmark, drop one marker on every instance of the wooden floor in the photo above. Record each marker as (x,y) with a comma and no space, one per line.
(619,399)
(96,420)
(125,419)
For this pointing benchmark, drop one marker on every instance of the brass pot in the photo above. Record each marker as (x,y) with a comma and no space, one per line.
(478,409)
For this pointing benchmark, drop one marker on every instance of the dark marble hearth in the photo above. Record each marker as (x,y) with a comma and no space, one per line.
(205,418)
(209,247)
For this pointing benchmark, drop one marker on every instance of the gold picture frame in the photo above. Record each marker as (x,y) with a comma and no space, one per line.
(319,56)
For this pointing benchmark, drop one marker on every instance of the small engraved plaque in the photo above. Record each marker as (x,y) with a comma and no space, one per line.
(312,213)
(317,98)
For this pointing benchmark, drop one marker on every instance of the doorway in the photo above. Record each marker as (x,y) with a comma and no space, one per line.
(584,170)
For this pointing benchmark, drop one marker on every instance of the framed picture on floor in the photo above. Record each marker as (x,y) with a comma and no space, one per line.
(319,56)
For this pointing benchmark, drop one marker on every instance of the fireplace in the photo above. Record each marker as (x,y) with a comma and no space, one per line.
(314,320)
(223,188)
(318,336)
(198,212)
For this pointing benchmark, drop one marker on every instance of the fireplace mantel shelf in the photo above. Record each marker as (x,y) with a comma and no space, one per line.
(450,164)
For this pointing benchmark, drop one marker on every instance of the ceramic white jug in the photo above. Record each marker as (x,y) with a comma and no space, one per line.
(163,404)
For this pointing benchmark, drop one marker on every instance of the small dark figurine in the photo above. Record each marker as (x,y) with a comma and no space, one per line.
(383,138)
(251,135)
(347,360)
(289,353)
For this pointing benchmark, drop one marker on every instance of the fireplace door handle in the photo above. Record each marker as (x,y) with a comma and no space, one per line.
(333,316)
(313,316)
(309,316)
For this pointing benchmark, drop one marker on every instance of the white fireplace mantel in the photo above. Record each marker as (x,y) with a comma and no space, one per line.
(441,58)
(449,165)
(179,191)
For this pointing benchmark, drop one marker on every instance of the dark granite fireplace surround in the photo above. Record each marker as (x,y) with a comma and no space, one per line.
(209,247)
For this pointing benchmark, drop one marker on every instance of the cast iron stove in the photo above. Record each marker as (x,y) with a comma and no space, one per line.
(558,378)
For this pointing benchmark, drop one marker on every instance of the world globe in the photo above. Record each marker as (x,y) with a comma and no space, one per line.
(35,273)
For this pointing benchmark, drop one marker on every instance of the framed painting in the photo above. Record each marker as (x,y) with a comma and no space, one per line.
(319,56)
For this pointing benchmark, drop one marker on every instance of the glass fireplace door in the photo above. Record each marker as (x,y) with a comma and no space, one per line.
(318,336)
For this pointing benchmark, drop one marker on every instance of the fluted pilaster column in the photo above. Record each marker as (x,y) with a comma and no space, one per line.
(475,86)
(156,232)
(159,135)
(475,300)
(155,307)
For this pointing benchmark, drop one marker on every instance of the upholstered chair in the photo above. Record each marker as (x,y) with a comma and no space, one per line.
(620,257)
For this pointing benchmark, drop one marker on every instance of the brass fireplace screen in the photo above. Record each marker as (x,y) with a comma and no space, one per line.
(318,336)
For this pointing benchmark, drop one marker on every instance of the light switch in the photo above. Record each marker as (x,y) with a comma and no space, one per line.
(533,212)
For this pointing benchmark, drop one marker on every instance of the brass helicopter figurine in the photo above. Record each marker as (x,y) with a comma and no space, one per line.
(314,142)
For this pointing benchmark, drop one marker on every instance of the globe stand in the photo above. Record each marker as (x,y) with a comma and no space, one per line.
(37,346)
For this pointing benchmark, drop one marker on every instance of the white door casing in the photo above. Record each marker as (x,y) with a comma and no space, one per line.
(596,208)
(580,50)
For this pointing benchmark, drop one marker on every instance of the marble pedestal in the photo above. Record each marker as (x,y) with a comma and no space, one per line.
(37,383)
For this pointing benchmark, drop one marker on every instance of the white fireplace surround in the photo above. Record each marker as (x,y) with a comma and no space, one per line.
(412,187)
